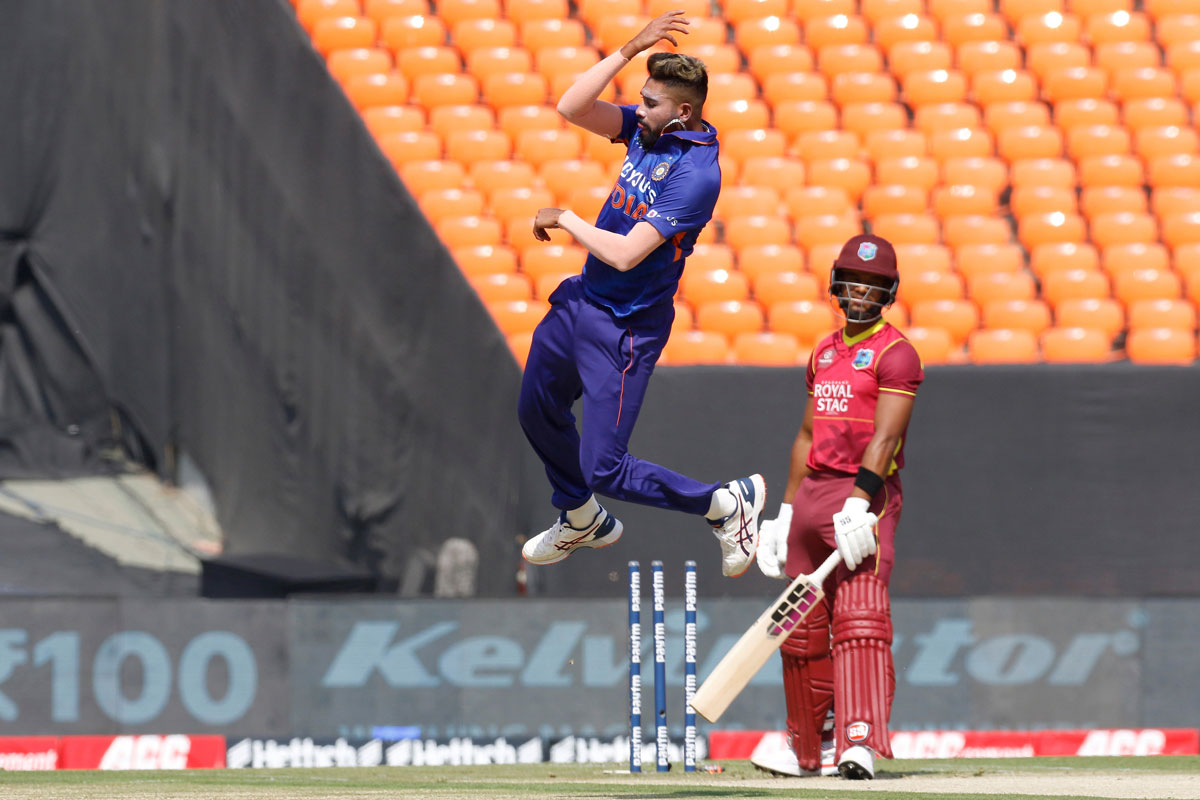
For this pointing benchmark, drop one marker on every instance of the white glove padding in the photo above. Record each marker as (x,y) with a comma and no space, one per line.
(854,529)
(772,543)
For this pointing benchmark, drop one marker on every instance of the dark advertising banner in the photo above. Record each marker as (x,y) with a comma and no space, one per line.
(423,674)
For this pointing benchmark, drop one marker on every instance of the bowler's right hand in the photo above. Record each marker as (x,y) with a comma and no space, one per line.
(772,543)
(658,29)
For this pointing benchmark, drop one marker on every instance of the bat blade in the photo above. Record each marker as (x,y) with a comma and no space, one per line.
(763,638)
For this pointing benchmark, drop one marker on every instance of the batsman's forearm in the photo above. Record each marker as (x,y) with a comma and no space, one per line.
(798,470)
(878,458)
(585,91)
(613,249)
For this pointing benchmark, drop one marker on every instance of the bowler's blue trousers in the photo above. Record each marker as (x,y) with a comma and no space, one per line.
(582,349)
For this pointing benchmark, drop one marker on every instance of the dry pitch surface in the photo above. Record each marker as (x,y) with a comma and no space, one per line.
(1153,777)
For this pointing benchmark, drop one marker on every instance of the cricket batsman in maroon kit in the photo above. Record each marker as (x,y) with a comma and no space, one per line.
(845,494)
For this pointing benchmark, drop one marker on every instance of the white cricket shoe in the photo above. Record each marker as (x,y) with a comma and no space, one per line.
(857,763)
(738,533)
(560,540)
(783,761)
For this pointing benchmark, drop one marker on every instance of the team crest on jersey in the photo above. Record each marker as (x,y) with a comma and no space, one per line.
(858,731)
(826,358)
(867,250)
(863,358)
(660,171)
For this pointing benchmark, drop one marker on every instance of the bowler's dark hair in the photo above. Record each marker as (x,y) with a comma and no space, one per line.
(679,71)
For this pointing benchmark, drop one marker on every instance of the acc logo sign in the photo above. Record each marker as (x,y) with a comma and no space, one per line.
(867,251)
(660,171)
(863,358)
(858,731)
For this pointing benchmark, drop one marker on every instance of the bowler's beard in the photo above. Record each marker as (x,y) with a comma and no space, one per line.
(647,139)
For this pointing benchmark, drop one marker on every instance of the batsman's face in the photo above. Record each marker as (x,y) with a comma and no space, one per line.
(862,294)
(659,110)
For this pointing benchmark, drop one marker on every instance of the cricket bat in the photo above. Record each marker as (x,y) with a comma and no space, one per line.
(763,638)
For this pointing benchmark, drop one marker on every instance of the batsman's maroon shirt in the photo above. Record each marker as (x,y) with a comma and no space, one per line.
(845,377)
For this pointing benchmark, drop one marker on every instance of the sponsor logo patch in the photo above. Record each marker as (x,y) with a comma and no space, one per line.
(863,358)
(660,171)
(826,358)
(867,250)
(858,731)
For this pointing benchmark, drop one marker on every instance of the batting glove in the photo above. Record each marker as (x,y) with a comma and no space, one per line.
(772,543)
(854,529)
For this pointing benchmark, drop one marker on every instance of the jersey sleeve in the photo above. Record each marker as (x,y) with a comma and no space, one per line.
(686,200)
(810,373)
(899,368)
(628,125)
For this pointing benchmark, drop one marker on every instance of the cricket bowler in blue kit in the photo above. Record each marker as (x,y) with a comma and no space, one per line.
(606,327)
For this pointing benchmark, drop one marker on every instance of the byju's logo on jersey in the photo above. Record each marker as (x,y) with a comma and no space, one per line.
(660,171)
(867,250)
(863,358)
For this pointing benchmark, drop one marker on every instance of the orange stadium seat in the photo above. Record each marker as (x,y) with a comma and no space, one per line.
(919,257)
(1002,346)
(977,57)
(747,143)
(816,145)
(378,89)
(907,228)
(1050,228)
(779,287)
(1175,200)
(592,11)
(738,114)
(702,286)
(807,320)
(406,146)
(956,316)
(862,87)
(849,174)
(696,347)
(1069,284)
(1123,227)
(889,199)
(424,176)
(1168,140)
(961,143)
(756,261)
(1139,255)
(1103,314)
(562,176)
(1111,55)
(339,33)
(866,118)
(542,258)
(445,120)
(940,116)
(979,259)
(310,12)
(950,200)
(519,344)
(729,317)
(521,202)
(485,258)
(742,231)
(1171,29)
(754,33)
(1085,111)
(468,146)
(806,10)
(826,229)
(875,10)
(748,201)
(771,59)
(1043,172)
(1153,112)
(897,314)
(685,318)
(909,171)
(1161,346)
(900,143)
(1004,86)
(1183,55)
(1140,82)
(440,203)
(1120,26)
(798,116)
(488,176)
(904,58)
(933,345)
(986,287)
(1095,200)
(1086,8)
(779,173)
(394,119)
(717,58)
(820,260)
(1049,57)
(518,316)
(990,174)
(811,201)
(358,61)
(1074,83)
(711,256)
(469,231)
(431,91)
(836,59)
(1086,141)
(516,120)
(520,11)
(1029,142)
(1146,284)
(959,29)
(906,28)
(1027,315)
(383,10)
(1063,345)
(454,11)
(767,349)
(975,229)
(417,30)
(504,89)
(839,29)
(934,87)
(1029,200)
(554,61)
(1047,258)
(413,62)
(1177,170)
(1037,29)
(1167,312)
(922,285)
(691,8)
(470,35)
(502,286)
(538,147)
(1111,170)
(540,33)
(941,9)
(1016,114)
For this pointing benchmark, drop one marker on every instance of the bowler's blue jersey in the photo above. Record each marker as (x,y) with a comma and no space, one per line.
(674,187)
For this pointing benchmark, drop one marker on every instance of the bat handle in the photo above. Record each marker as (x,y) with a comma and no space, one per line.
(829,565)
